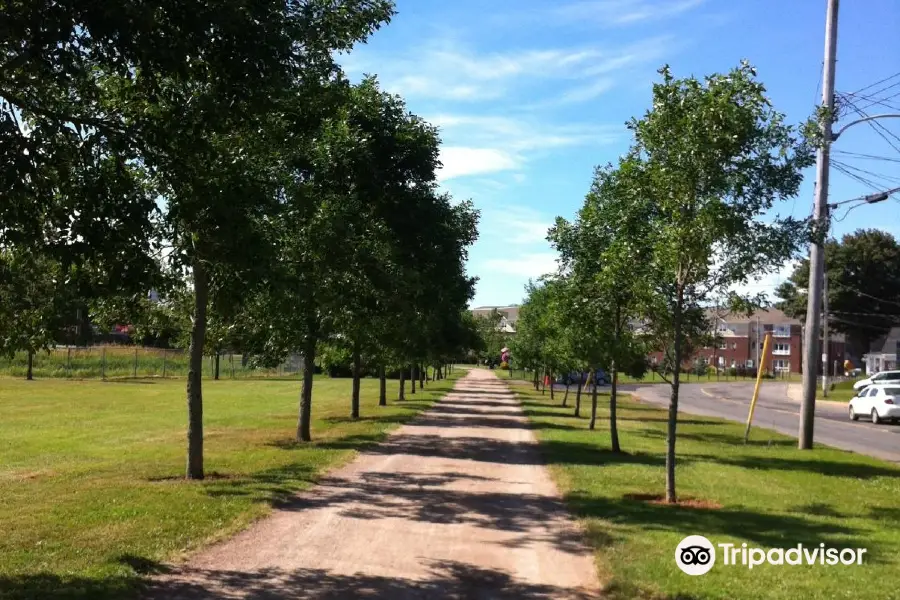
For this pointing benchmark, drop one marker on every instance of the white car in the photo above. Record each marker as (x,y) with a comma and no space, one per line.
(878,402)
(883,377)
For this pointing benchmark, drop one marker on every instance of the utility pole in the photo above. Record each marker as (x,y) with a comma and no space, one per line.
(816,252)
(825,353)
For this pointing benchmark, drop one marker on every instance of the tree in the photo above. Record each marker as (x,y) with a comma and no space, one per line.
(863,271)
(603,262)
(710,159)
(33,303)
(189,99)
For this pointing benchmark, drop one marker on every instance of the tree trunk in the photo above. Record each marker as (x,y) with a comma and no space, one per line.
(594,403)
(382,387)
(216,374)
(566,396)
(613,427)
(544,383)
(673,402)
(354,400)
(29,369)
(578,396)
(536,382)
(550,377)
(309,361)
(423,376)
(413,378)
(195,373)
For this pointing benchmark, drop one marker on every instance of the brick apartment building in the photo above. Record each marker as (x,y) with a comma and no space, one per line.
(740,343)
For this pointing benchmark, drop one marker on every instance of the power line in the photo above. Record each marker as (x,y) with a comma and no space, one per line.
(875,125)
(866,156)
(875,94)
(889,178)
(861,293)
(876,83)
(839,166)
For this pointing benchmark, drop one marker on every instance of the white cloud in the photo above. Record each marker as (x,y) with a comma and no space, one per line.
(519,135)
(587,92)
(448,70)
(623,12)
(459,161)
(515,225)
(527,265)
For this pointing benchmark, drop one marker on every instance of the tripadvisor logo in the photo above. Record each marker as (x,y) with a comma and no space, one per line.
(696,555)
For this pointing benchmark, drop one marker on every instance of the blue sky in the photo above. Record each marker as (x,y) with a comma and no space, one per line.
(531,95)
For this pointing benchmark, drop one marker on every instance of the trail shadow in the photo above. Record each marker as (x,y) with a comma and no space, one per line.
(38,586)
(819,509)
(772,530)
(273,486)
(142,565)
(446,579)
(465,448)
(575,453)
(833,468)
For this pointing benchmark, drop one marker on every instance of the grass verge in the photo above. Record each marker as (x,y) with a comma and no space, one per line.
(91,488)
(767,494)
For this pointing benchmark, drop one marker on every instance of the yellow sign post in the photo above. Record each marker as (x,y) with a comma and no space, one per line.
(760,369)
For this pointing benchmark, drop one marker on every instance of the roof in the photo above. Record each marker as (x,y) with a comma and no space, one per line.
(886,344)
(511,312)
(767,316)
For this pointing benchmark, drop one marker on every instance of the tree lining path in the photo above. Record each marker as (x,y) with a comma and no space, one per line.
(456,504)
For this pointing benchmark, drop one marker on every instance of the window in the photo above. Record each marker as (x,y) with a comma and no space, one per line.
(895,376)
(749,363)
(734,345)
(781,349)
(721,361)
(892,391)
(782,365)
(733,363)
(873,392)
(781,330)
(723,345)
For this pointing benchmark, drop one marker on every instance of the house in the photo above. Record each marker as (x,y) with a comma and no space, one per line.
(884,353)
(509,315)
(740,339)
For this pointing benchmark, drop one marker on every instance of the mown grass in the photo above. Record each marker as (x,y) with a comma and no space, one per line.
(769,495)
(91,487)
(841,392)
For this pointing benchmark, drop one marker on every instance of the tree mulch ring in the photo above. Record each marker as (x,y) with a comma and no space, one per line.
(684,502)
(212,476)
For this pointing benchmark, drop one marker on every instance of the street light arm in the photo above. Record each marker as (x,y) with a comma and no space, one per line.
(836,135)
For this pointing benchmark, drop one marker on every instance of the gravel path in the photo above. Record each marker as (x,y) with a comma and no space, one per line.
(455,505)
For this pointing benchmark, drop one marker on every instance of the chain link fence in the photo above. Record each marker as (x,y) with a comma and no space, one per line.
(108,362)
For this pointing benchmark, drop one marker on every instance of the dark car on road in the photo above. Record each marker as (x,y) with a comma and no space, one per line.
(581,378)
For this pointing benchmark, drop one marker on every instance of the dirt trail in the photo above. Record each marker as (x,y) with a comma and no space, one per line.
(455,505)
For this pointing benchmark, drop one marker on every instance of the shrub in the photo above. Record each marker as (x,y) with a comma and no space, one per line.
(504,366)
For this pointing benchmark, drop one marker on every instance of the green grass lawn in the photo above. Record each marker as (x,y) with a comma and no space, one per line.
(842,392)
(767,494)
(91,488)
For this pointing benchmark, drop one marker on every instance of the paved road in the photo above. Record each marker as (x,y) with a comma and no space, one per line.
(775,410)
(455,505)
